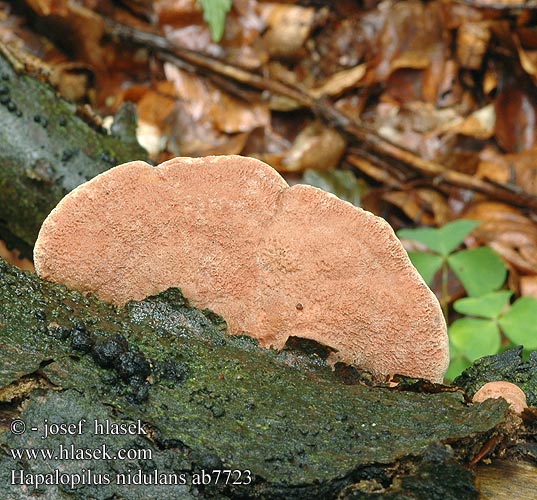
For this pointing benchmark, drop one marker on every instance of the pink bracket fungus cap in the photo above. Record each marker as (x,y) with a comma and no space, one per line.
(275,261)
(513,394)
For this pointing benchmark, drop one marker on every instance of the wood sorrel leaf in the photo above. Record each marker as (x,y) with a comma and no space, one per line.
(214,14)
(474,338)
(443,240)
(427,264)
(520,323)
(480,270)
(489,305)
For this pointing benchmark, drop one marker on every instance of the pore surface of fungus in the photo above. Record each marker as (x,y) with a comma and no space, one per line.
(275,261)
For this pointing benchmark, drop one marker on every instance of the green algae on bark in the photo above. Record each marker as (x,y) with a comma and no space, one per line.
(218,401)
(86,477)
(508,366)
(47,150)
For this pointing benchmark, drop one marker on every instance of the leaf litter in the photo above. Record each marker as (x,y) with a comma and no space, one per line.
(431,108)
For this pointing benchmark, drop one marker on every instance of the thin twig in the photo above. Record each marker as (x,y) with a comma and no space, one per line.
(381,147)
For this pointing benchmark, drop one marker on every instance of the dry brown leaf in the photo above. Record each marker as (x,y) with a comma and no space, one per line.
(207,102)
(275,70)
(415,126)
(507,231)
(349,41)
(13,257)
(405,85)
(150,138)
(155,106)
(182,23)
(516,118)
(434,75)
(340,81)
(528,286)
(490,81)
(412,36)
(196,37)
(436,204)
(479,124)
(458,13)
(205,114)
(233,145)
(450,91)
(288,28)
(74,81)
(268,145)
(519,169)
(497,3)
(409,203)
(423,206)
(494,169)
(178,12)
(472,43)
(49,7)
(81,26)
(232,115)
(317,147)
(437,85)
(528,58)
(190,136)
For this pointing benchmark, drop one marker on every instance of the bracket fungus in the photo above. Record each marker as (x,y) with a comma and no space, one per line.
(513,394)
(274,261)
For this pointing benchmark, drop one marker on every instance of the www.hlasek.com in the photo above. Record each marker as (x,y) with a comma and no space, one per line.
(86,476)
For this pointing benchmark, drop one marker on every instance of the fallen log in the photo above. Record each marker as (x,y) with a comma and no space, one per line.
(203,401)
(47,148)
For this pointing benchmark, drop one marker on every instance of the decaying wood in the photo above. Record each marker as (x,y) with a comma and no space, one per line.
(493,483)
(47,148)
(212,401)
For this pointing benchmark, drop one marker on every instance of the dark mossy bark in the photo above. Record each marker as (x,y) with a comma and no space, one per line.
(508,366)
(47,149)
(213,401)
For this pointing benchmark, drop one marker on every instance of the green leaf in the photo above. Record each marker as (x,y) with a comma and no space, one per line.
(214,14)
(456,367)
(480,270)
(427,264)
(343,183)
(489,305)
(520,323)
(474,338)
(443,240)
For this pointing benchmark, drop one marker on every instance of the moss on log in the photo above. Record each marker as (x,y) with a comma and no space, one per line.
(508,366)
(47,149)
(213,401)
